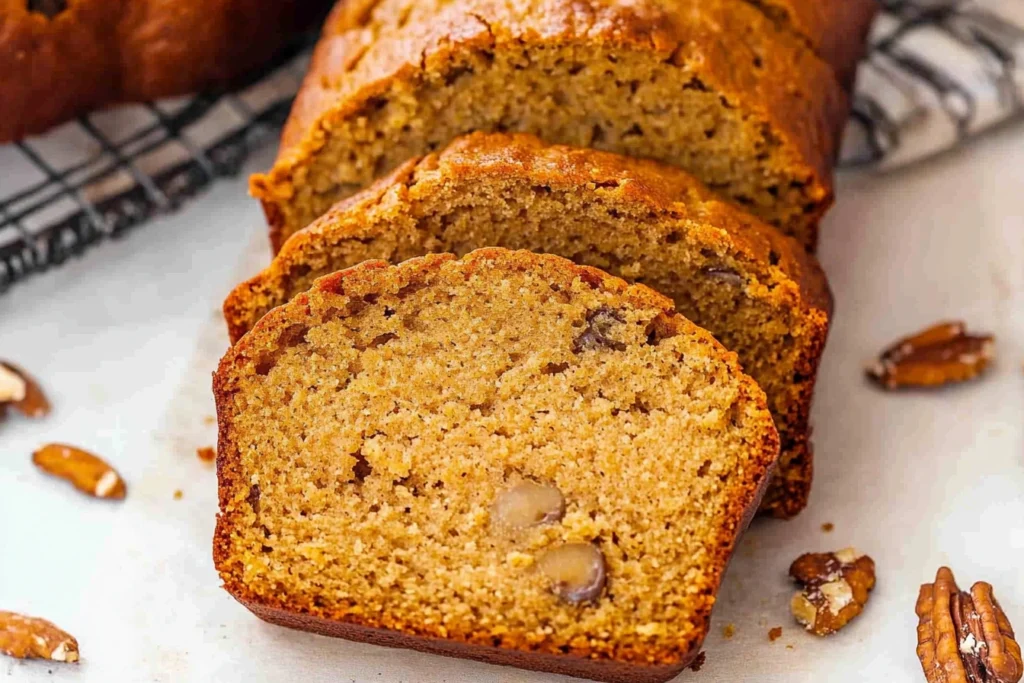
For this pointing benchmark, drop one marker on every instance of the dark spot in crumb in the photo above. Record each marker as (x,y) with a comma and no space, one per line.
(695,84)
(773,257)
(254,498)
(673,237)
(50,8)
(375,508)
(725,275)
(362,469)
(410,289)
(659,329)
(388,312)
(292,336)
(599,325)
(554,368)
(456,73)
(704,468)
(382,339)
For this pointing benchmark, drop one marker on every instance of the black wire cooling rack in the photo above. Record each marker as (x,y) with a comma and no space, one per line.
(99,175)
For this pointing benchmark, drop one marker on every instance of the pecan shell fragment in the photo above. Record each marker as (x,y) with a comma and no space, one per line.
(835,588)
(964,637)
(87,472)
(24,637)
(939,355)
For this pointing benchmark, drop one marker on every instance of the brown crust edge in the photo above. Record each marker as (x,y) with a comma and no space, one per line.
(735,521)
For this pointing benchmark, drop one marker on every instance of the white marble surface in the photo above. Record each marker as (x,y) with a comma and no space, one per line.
(125,340)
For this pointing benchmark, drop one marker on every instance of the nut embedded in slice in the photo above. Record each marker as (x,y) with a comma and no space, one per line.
(939,355)
(24,637)
(577,571)
(965,637)
(87,472)
(835,588)
(19,390)
(528,504)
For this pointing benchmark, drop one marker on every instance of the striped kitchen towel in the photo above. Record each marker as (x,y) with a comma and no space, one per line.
(938,72)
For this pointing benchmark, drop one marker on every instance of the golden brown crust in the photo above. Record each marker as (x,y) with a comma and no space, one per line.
(483,159)
(100,52)
(652,664)
(363,56)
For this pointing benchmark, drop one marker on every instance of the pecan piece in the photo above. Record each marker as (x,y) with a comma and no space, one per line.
(87,472)
(21,392)
(835,589)
(964,637)
(33,638)
(600,324)
(939,355)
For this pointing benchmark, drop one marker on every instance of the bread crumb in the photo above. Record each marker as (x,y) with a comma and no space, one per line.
(178,494)
(789,647)
(728,631)
(827,527)
(206,454)
(775,634)
(209,420)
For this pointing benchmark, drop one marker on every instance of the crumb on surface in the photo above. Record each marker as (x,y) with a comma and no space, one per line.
(178,494)
(828,527)
(775,633)
(206,454)
(209,420)
(728,631)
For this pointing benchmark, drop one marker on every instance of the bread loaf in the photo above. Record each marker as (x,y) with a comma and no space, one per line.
(712,86)
(505,457)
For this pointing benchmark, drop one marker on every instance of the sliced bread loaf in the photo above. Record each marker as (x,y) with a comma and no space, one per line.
(756,291)
(712,86)
(506,457)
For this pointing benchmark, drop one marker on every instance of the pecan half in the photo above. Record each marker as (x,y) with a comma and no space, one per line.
(964,637)
(33,638)
(21,392)
(87,472)
(941,354)
(835,589)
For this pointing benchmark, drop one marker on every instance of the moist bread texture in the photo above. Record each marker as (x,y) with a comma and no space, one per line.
(712,86)
(62,58)
(755,290)
(372,429)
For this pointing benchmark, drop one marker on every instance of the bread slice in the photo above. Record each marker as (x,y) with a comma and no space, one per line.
(835,29)
(506,457)
(756,291)
(712,86)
